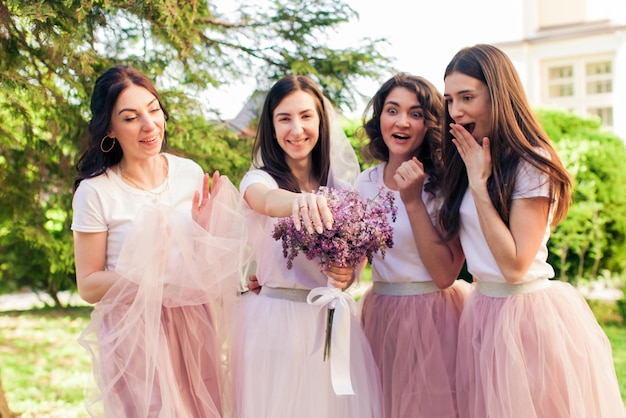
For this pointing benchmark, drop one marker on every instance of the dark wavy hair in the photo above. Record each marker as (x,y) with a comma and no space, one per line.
(429,153)
(272,155)
(93,162)
(515,135)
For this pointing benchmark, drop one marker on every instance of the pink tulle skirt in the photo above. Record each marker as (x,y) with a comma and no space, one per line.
(157,338)
(184,376)
(414,340)
(536,355)
(279,367)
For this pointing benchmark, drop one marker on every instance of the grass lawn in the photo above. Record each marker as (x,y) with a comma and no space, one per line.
(44,369)
(615,328)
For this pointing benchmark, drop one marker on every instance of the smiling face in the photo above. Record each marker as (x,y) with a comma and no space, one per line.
(296,125)
(138,123)
(468,103)
(402,123)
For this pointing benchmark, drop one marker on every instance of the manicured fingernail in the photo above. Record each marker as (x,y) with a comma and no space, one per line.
(310,229)
(319,229)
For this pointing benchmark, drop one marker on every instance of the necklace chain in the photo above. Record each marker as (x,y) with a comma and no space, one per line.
(163,186)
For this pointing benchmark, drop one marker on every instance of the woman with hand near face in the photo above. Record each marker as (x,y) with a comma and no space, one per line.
(280,369)
(157,253)
(411,315)
(529,347)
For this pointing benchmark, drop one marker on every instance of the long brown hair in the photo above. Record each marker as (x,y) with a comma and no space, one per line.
(515,135)
(272,155)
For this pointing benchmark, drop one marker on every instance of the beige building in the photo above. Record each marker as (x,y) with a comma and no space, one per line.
(572,55)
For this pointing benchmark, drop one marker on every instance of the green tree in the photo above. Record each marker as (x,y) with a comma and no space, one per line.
(593,237)
(51,52)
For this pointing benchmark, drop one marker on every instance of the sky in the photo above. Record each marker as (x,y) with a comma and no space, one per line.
(422,35)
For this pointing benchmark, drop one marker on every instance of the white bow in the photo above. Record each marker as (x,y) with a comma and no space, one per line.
(344,306)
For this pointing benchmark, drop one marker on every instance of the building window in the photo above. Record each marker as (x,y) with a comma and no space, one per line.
(561,90)
(599,77)
(604,67)
(604,113)
(561,81)
(584,83)
(564,71)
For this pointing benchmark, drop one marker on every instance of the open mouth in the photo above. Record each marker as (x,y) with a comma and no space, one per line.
(470,127)
(154,138)
(400,137)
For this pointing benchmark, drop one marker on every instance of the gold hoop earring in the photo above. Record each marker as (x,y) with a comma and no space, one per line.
(108,149)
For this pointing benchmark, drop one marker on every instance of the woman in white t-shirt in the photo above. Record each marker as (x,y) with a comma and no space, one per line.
(411,315)
(280,368)
(157,254)
(529,347)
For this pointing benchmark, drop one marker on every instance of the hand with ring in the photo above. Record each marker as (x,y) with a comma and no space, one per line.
(311,211)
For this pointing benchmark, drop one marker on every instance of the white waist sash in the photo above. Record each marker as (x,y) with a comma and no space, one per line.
(404,288)
(503,290)
(294,295)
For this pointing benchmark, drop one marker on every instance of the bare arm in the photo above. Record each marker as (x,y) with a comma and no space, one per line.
(92,279)
(308,207)
(442,260)
(514,248)
(281,203)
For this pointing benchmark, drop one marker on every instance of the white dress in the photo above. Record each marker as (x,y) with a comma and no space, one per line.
(280,371)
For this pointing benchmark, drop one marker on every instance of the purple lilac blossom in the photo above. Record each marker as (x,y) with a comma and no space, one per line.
(360,229)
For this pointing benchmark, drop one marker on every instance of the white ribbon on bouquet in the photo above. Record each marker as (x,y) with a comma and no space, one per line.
(344,306)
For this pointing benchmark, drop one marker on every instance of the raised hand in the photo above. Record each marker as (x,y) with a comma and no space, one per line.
(410,177)
(476,155)
(202,203)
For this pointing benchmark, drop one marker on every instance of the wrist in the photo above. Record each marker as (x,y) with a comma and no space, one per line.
(479,192)
(414,204)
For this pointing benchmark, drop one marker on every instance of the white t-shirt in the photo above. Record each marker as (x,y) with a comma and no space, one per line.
(107,203)
(402,262)
(530,182)
(271,268)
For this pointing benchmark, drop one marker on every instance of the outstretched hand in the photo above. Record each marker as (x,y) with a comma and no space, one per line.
(311,211)
(202,203)
(476,155)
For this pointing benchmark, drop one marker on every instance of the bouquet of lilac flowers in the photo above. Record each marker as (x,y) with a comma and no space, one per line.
(360,229)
